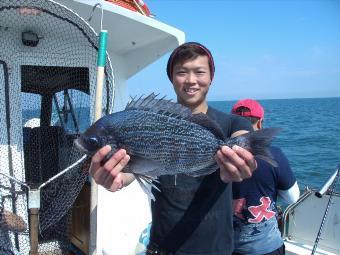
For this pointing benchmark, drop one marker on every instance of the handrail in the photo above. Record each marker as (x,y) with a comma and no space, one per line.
(328,183)
(304,196)
(291,207)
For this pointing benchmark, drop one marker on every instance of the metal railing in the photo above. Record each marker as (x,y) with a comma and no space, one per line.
(329,189)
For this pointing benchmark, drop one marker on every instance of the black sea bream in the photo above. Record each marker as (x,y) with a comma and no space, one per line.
(165,138)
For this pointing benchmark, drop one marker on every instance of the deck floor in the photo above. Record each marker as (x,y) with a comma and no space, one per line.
(294,248)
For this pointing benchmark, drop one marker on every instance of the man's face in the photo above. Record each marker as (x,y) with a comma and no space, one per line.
(191,81)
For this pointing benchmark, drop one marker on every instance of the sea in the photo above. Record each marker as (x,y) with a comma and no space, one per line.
(310,135)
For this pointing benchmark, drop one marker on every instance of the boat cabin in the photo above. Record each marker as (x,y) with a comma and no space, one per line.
(48,70)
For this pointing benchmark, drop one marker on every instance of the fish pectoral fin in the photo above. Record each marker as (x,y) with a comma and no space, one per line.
(204,171)
(142,166)
(145,188)
(148,180)
(146,172)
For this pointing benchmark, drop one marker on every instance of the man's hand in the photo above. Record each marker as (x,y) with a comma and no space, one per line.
(109,175)
(235,164)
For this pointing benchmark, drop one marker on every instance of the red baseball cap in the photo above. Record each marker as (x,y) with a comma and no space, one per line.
(255,109)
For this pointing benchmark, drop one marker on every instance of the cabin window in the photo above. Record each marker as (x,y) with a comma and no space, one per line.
(56,96)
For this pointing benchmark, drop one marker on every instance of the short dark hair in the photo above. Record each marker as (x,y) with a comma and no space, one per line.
(188,51)
(240,110)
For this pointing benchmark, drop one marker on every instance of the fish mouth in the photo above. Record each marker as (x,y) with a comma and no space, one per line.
(80,146)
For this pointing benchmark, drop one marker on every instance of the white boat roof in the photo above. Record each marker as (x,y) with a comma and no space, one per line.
(137,40)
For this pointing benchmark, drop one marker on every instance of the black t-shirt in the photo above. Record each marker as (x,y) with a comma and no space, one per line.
(193,215)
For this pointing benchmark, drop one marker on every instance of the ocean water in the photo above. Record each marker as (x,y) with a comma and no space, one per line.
(310,135)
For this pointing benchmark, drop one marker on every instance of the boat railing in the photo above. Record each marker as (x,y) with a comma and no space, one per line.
(329,197)
(328,183)
(64,111)
(331,186)
(308,191)
(291,207)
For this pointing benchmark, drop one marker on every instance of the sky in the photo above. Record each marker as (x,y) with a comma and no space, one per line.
(263,49)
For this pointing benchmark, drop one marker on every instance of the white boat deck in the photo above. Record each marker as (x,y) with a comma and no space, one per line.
(295,248)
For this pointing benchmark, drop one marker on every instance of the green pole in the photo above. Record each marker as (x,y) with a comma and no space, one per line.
(101,61)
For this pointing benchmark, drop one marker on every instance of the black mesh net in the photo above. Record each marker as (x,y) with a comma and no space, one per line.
(48,60)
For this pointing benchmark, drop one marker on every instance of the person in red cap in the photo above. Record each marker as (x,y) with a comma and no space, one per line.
(191,215)
(254,200)
(249,108)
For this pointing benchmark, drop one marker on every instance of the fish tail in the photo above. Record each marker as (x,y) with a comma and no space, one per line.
(259,141)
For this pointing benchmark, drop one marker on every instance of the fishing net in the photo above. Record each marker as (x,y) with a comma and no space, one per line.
(48,60)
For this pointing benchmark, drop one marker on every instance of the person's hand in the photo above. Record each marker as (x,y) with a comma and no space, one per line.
(235,164)
(109,174)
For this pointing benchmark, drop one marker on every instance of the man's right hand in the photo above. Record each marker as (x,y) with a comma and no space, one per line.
(110,174)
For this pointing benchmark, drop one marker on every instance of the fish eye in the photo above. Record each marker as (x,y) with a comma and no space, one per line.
(93,141)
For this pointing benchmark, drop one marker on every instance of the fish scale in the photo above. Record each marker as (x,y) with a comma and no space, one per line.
(165,138)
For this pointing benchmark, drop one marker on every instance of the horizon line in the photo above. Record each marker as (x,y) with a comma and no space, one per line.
(292,98)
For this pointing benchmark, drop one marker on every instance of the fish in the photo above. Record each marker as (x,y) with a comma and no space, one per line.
(165,138)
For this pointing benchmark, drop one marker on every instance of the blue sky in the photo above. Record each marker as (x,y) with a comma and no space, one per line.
(262,49)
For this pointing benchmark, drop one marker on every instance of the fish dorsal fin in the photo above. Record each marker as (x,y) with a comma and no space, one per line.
(160,106)
(208,123)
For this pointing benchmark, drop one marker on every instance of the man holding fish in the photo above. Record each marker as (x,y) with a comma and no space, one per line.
(191,214)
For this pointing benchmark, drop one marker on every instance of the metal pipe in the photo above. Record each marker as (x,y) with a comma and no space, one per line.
(328,183)
(72,112)
(58,111)
(63,172)
(291,208)
(15,179)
